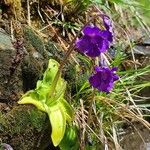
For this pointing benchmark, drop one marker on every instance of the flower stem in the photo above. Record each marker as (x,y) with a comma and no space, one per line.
(90,108)
(70,49)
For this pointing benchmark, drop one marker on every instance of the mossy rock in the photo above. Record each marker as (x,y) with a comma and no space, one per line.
(25,128)
(33,39)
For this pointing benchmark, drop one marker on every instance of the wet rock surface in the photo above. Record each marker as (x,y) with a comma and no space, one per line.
(143,48)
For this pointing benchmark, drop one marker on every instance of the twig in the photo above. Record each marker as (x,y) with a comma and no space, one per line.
(82,143)
(28,10)
(91,108)
(40,12)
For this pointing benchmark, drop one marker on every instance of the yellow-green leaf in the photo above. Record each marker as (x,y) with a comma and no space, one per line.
(67,108)
(58,94)
(58,123)
(50,72)
(70,140)
(30,100)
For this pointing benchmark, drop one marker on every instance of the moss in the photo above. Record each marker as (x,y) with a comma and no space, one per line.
(54,50)
(22,117)
(22,127)
(35,40)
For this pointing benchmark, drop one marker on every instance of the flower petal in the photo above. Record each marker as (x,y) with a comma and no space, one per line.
(94,41)
(93,51)
(97,68)
(103,46)
(114,69)
(103,79)
(91,30)
(115,77)
(94,80)
(83,44)
(107,35)
(107,23)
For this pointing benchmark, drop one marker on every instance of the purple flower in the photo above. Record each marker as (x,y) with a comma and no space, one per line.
(107,23)
(108,26)
(104,78)
(94,41)
(6,146)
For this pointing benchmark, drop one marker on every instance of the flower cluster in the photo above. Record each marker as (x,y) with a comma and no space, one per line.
(104,78)
(93,43)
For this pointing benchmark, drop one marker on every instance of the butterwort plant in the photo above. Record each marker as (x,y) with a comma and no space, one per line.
(57,108)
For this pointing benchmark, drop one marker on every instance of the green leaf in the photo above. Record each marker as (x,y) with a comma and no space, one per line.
(43,92)
(117,1)
(58,123)
(60,88)
(70,140)
(50,72)
(67,108)
(30,100)
(59,92)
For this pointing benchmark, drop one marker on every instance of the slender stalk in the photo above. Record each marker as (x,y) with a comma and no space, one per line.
(90,108)
(70,49)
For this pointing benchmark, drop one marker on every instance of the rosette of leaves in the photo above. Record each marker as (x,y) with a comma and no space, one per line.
(57,108)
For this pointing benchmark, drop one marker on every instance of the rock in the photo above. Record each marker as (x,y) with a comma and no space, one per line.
(10,84)
(142,54)
(54,50)
(5,40)
(35,61)
(22,126)
(143,48)
(26,128)
(138,139)
(4,107)
(31,71)
(34,40)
